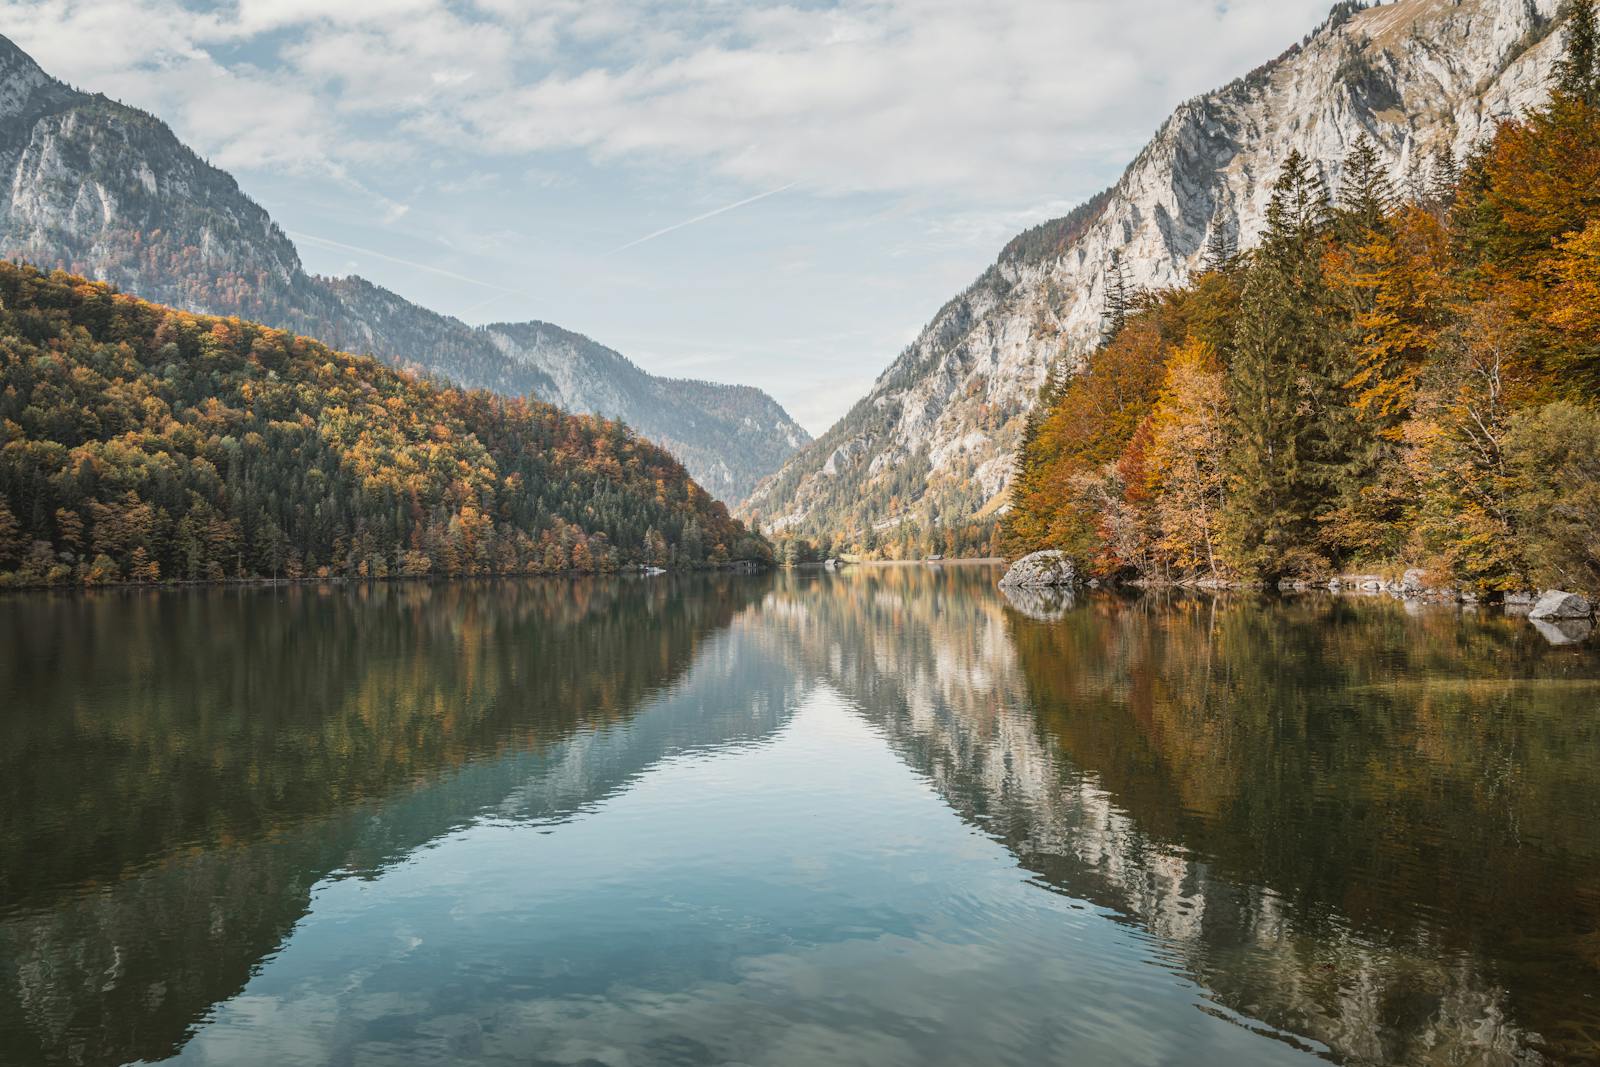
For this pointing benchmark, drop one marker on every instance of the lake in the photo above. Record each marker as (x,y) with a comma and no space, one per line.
(884,816)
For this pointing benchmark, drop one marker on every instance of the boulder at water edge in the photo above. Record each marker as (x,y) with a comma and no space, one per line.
(1042,570)
(1558,605)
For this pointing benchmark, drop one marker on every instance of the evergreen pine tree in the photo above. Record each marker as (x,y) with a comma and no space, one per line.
(1416,180)
(1443,179)
(1222,247)
(1578,70)
(1283,386)
(1365,193)
(1119,297)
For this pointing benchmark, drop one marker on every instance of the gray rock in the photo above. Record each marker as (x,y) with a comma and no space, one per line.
(1559,605)
(1527,598)
(1042,570)
(1414,582)
(1564,631)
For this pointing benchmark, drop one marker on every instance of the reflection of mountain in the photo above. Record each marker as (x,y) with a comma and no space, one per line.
(1372,832)
(414,710)
(1340,819)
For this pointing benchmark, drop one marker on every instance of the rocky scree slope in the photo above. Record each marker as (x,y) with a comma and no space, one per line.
(933,440)
(104,190)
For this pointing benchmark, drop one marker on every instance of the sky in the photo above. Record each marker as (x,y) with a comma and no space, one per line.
(772,194)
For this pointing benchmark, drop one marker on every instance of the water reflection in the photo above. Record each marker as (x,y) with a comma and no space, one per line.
(180,769)
(1373,827)
(1358,830)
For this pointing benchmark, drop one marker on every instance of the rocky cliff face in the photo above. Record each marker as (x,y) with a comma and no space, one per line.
(104,190)
(932,442)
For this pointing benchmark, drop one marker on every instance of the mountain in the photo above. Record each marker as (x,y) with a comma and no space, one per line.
(932,442)
(729,436)
(142,443)
(104,190)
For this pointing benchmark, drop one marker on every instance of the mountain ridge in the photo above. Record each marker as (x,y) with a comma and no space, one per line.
(930,446)
(108,191)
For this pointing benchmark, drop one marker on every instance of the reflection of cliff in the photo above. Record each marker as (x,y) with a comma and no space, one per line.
(413,711)
(1314,825)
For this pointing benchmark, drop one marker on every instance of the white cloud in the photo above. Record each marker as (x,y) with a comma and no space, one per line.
(883,95)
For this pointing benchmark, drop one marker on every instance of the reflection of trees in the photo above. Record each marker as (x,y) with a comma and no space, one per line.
(1369,828)
(1372,829)
(239,747)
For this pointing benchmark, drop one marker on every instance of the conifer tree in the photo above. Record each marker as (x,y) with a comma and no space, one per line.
(1119,297)
(1365,193)
(1578,70)
(1282,386)
(1222,247)
(1444,177)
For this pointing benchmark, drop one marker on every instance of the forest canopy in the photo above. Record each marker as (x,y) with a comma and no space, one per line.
(140,443)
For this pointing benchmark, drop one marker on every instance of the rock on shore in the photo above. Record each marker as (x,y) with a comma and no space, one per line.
(1559,605)
(1042,570)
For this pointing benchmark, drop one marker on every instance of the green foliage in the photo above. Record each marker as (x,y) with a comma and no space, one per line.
(1578,70)
(141,443)
(1282,381)
(1553,455)
(1366,195)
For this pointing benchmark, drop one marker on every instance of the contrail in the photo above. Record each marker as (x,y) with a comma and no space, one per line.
(404,262)
(701,218)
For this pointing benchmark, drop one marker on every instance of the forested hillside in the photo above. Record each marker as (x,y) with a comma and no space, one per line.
(1392,378)
(107,191)
(140,443)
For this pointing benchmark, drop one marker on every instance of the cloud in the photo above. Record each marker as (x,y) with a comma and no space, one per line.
(878,96)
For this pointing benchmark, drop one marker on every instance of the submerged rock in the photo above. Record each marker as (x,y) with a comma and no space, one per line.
(1042,570)
(1559,605)
(1042,603)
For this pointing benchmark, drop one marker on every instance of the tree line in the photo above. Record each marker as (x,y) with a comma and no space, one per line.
(140,443)
(1392,377)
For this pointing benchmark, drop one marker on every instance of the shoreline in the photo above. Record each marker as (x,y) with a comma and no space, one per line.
(392,579)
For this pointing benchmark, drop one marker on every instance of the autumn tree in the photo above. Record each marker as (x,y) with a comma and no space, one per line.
(1185,461)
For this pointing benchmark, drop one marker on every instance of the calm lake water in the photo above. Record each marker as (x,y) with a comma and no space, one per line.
(883,817)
